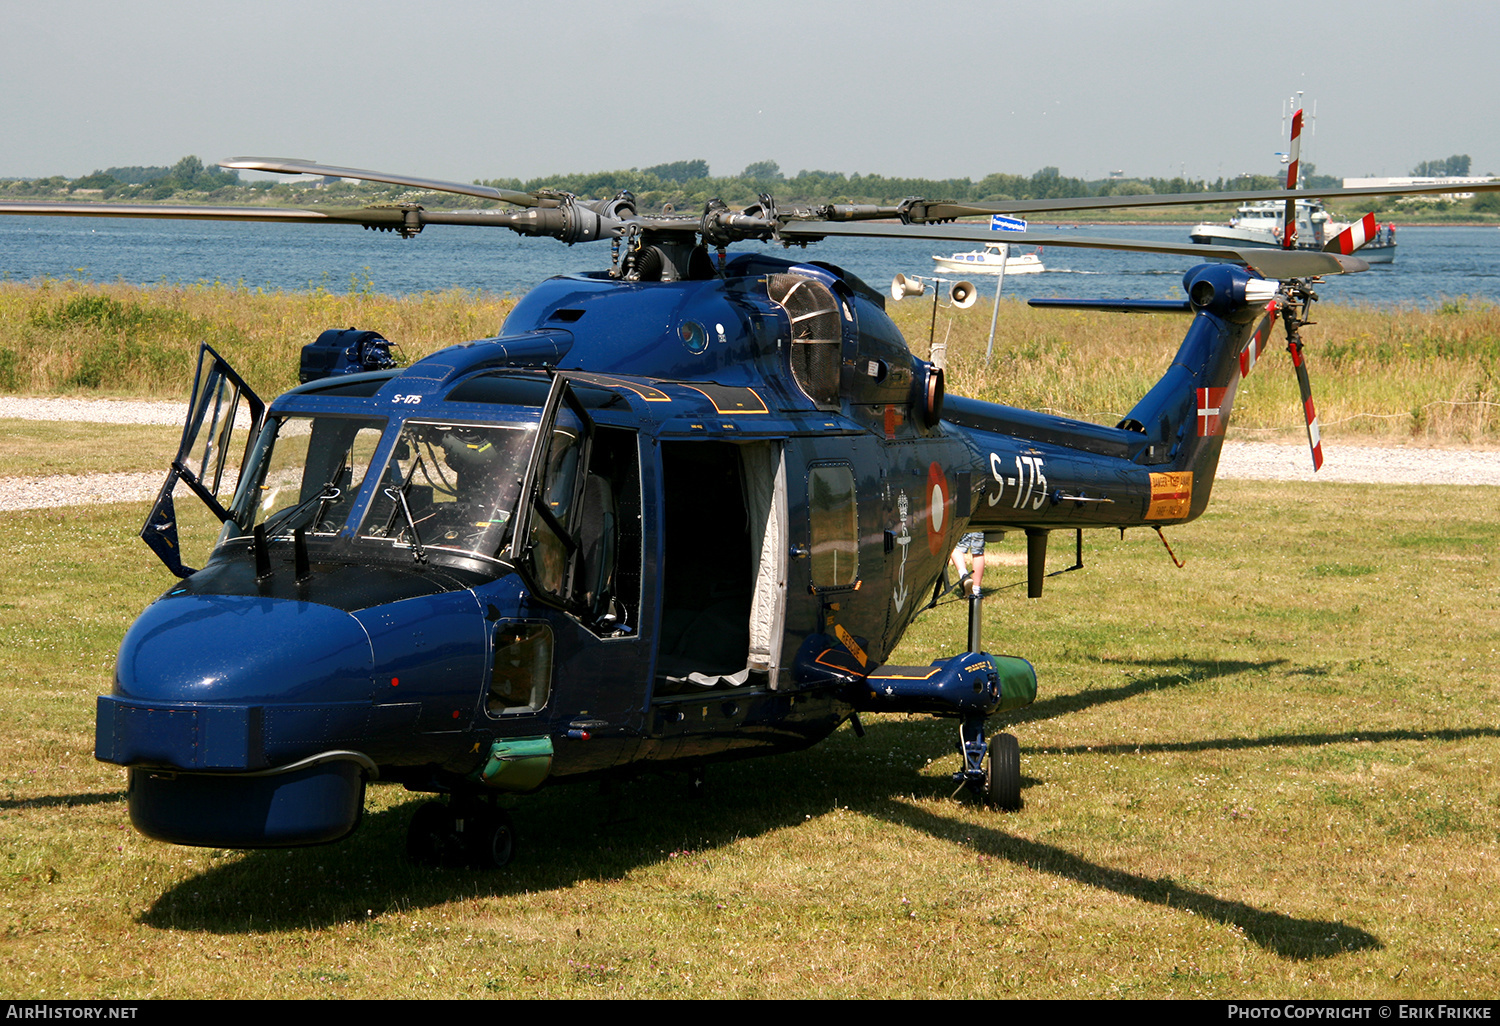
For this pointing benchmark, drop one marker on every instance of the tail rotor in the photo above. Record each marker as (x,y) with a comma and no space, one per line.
(1292,302)
(1314,436)
(1289,220)
(1293,318)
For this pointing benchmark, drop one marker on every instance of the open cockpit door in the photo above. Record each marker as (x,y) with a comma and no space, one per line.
(545,545)
(203,461)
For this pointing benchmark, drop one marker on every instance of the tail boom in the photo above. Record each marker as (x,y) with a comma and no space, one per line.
(1041,472)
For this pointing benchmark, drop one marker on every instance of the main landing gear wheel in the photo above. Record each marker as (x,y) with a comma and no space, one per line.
(490,838)
(1003,773)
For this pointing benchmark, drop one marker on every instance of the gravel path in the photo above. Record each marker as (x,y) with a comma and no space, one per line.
(1265,461)
(1368,464)
(98,411)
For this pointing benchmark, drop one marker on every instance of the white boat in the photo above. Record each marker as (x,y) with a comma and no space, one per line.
(990,260)
(1259,224)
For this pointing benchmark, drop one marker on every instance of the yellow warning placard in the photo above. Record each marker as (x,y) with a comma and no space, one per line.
(1171,495)
(852,645)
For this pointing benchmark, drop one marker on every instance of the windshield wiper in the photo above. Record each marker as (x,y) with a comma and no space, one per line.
(327,494)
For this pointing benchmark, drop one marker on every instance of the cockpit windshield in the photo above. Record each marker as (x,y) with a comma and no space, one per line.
(450,487)
(305,473)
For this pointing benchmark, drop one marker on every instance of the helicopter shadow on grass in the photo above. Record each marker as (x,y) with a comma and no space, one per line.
(583,832)
(68,801)
(1282,741)
(1168,673)
(1284,935)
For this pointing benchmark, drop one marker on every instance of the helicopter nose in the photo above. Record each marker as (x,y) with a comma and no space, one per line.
(228,682)
(238,648)
(238,716)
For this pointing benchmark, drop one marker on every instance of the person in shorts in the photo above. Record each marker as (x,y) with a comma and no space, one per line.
(972,544)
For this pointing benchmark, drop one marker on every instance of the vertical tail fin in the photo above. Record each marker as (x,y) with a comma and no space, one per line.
(1188,409)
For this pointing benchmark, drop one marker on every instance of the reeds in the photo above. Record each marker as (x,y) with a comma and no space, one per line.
(1386,375)
(68,337)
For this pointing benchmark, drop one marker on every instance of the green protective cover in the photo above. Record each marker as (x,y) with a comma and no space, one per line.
(519,763)
(1017,682)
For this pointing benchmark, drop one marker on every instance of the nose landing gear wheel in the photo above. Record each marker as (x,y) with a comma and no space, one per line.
(1002,784)
(431,837)
(467,834)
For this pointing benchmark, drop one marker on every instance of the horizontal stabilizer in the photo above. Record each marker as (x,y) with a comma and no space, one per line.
(1116,305)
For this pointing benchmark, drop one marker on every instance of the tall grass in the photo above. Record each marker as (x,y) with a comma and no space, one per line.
(76,338)
(1424,375)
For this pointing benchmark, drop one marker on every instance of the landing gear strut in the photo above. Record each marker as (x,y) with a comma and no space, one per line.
(992,766)
(467,832)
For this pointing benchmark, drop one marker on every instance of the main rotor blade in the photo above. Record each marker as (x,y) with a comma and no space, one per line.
(293,166)
(374,216)
(570,224)
(1273,263)
(942,211)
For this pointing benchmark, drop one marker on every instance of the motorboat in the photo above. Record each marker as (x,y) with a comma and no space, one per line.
(991,260)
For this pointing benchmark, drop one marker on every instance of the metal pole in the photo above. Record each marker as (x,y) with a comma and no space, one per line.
(999,284)
(932,328)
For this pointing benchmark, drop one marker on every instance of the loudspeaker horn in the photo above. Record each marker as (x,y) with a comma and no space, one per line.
(902,286)
(962,294)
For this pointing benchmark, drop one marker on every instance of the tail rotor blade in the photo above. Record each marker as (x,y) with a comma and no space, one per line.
(1289,221)
(1353,237)
(1314,435)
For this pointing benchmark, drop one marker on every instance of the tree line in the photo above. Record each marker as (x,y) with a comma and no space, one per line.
(677,185)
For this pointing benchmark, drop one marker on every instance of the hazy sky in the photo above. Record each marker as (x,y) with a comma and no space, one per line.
(488,89)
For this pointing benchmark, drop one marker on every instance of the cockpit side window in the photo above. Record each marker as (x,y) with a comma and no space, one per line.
(521,678)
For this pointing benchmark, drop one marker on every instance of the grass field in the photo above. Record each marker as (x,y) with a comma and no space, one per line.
(1270,774)
(39,448)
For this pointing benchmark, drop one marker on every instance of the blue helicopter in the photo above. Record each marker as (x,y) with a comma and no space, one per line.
(678,511)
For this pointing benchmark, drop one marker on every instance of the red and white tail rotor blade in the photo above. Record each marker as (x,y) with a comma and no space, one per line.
(1314,435)
(1353,237)
(1289,221)
(1257,344)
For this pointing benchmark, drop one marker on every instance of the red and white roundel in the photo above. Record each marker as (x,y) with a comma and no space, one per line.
(939,509)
